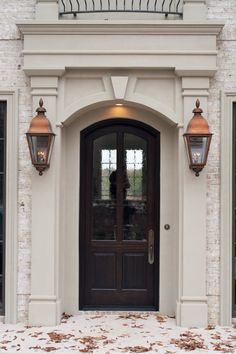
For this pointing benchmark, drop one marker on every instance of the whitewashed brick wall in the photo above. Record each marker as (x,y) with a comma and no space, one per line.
(12,77)
(225,79)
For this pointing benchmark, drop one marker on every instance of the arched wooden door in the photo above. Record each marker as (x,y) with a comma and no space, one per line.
(119,216)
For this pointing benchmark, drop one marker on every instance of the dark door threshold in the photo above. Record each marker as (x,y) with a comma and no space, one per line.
(118,308)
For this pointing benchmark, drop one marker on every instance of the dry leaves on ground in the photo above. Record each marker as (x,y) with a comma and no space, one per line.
(215,336)
(59,337)
(65,317)
(109,341)
(136,349)
(224,346)
(231,336)
(210,327)
(36,334)
(137,326)
(157,343)
(133,316)
(46,349)
(90,343)
(160,318)
(189,341)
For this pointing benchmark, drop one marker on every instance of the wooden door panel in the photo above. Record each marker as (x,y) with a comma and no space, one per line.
(103,271)
(134,271)
(119,205)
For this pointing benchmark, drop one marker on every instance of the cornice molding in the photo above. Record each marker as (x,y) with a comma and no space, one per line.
(119,27)
(196,72)
(57,72)
(119,52)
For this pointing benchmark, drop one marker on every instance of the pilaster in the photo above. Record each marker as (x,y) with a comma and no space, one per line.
(192,300)
(47,9)
(194,10)
(44,304)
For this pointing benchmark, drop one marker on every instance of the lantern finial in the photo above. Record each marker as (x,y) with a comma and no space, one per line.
(197,110)
(41,109)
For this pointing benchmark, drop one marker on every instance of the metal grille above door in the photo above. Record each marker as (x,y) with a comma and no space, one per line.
(167,7)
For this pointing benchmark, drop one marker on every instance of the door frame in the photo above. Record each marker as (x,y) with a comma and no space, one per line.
(82,234)
(11,212)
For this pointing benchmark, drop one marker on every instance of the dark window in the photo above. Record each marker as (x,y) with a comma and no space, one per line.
(234,211)
(3,114)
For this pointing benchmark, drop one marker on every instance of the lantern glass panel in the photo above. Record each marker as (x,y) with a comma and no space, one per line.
(50,142)
(198,147)
(39,148)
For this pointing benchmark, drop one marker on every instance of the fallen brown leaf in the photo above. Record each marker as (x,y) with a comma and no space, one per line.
(189,341)
(49,349)
(224,346)
(215,336)
(59,337)
(136,349)
(210,327)
(108,341)
(137,326)
(160,318)
(65,317)
(133,316)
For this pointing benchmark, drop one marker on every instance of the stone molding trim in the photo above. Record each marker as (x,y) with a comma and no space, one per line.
(227,100)
(11,97)
(99,44)
(119,84)
(120,27)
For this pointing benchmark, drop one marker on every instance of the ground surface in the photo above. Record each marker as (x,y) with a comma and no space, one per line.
(119,332)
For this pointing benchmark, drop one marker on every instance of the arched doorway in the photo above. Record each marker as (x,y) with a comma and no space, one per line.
(119,215)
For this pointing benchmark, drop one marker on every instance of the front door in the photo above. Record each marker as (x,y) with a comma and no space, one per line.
(119,219)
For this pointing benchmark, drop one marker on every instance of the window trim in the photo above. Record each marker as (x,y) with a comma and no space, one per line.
(233,208)
(3,241)
(11,214)
(227,100)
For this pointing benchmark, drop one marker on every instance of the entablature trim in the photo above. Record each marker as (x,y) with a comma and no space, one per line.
(174,27)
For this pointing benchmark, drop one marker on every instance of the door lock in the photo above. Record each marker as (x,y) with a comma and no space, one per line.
(151,246)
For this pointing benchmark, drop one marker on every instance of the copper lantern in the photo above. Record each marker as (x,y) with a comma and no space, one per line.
(40,139)
(197,139)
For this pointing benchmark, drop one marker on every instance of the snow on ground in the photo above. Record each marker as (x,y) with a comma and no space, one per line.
(116,332)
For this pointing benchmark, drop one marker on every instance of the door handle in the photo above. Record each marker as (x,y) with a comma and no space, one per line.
(151,246)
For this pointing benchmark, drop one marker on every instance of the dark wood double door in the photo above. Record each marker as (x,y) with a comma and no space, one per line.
(119,218)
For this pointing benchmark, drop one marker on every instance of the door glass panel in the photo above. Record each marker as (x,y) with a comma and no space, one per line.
(135,188)
(104,187)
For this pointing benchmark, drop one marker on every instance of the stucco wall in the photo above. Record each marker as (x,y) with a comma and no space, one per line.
(225,79)
(13,78)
